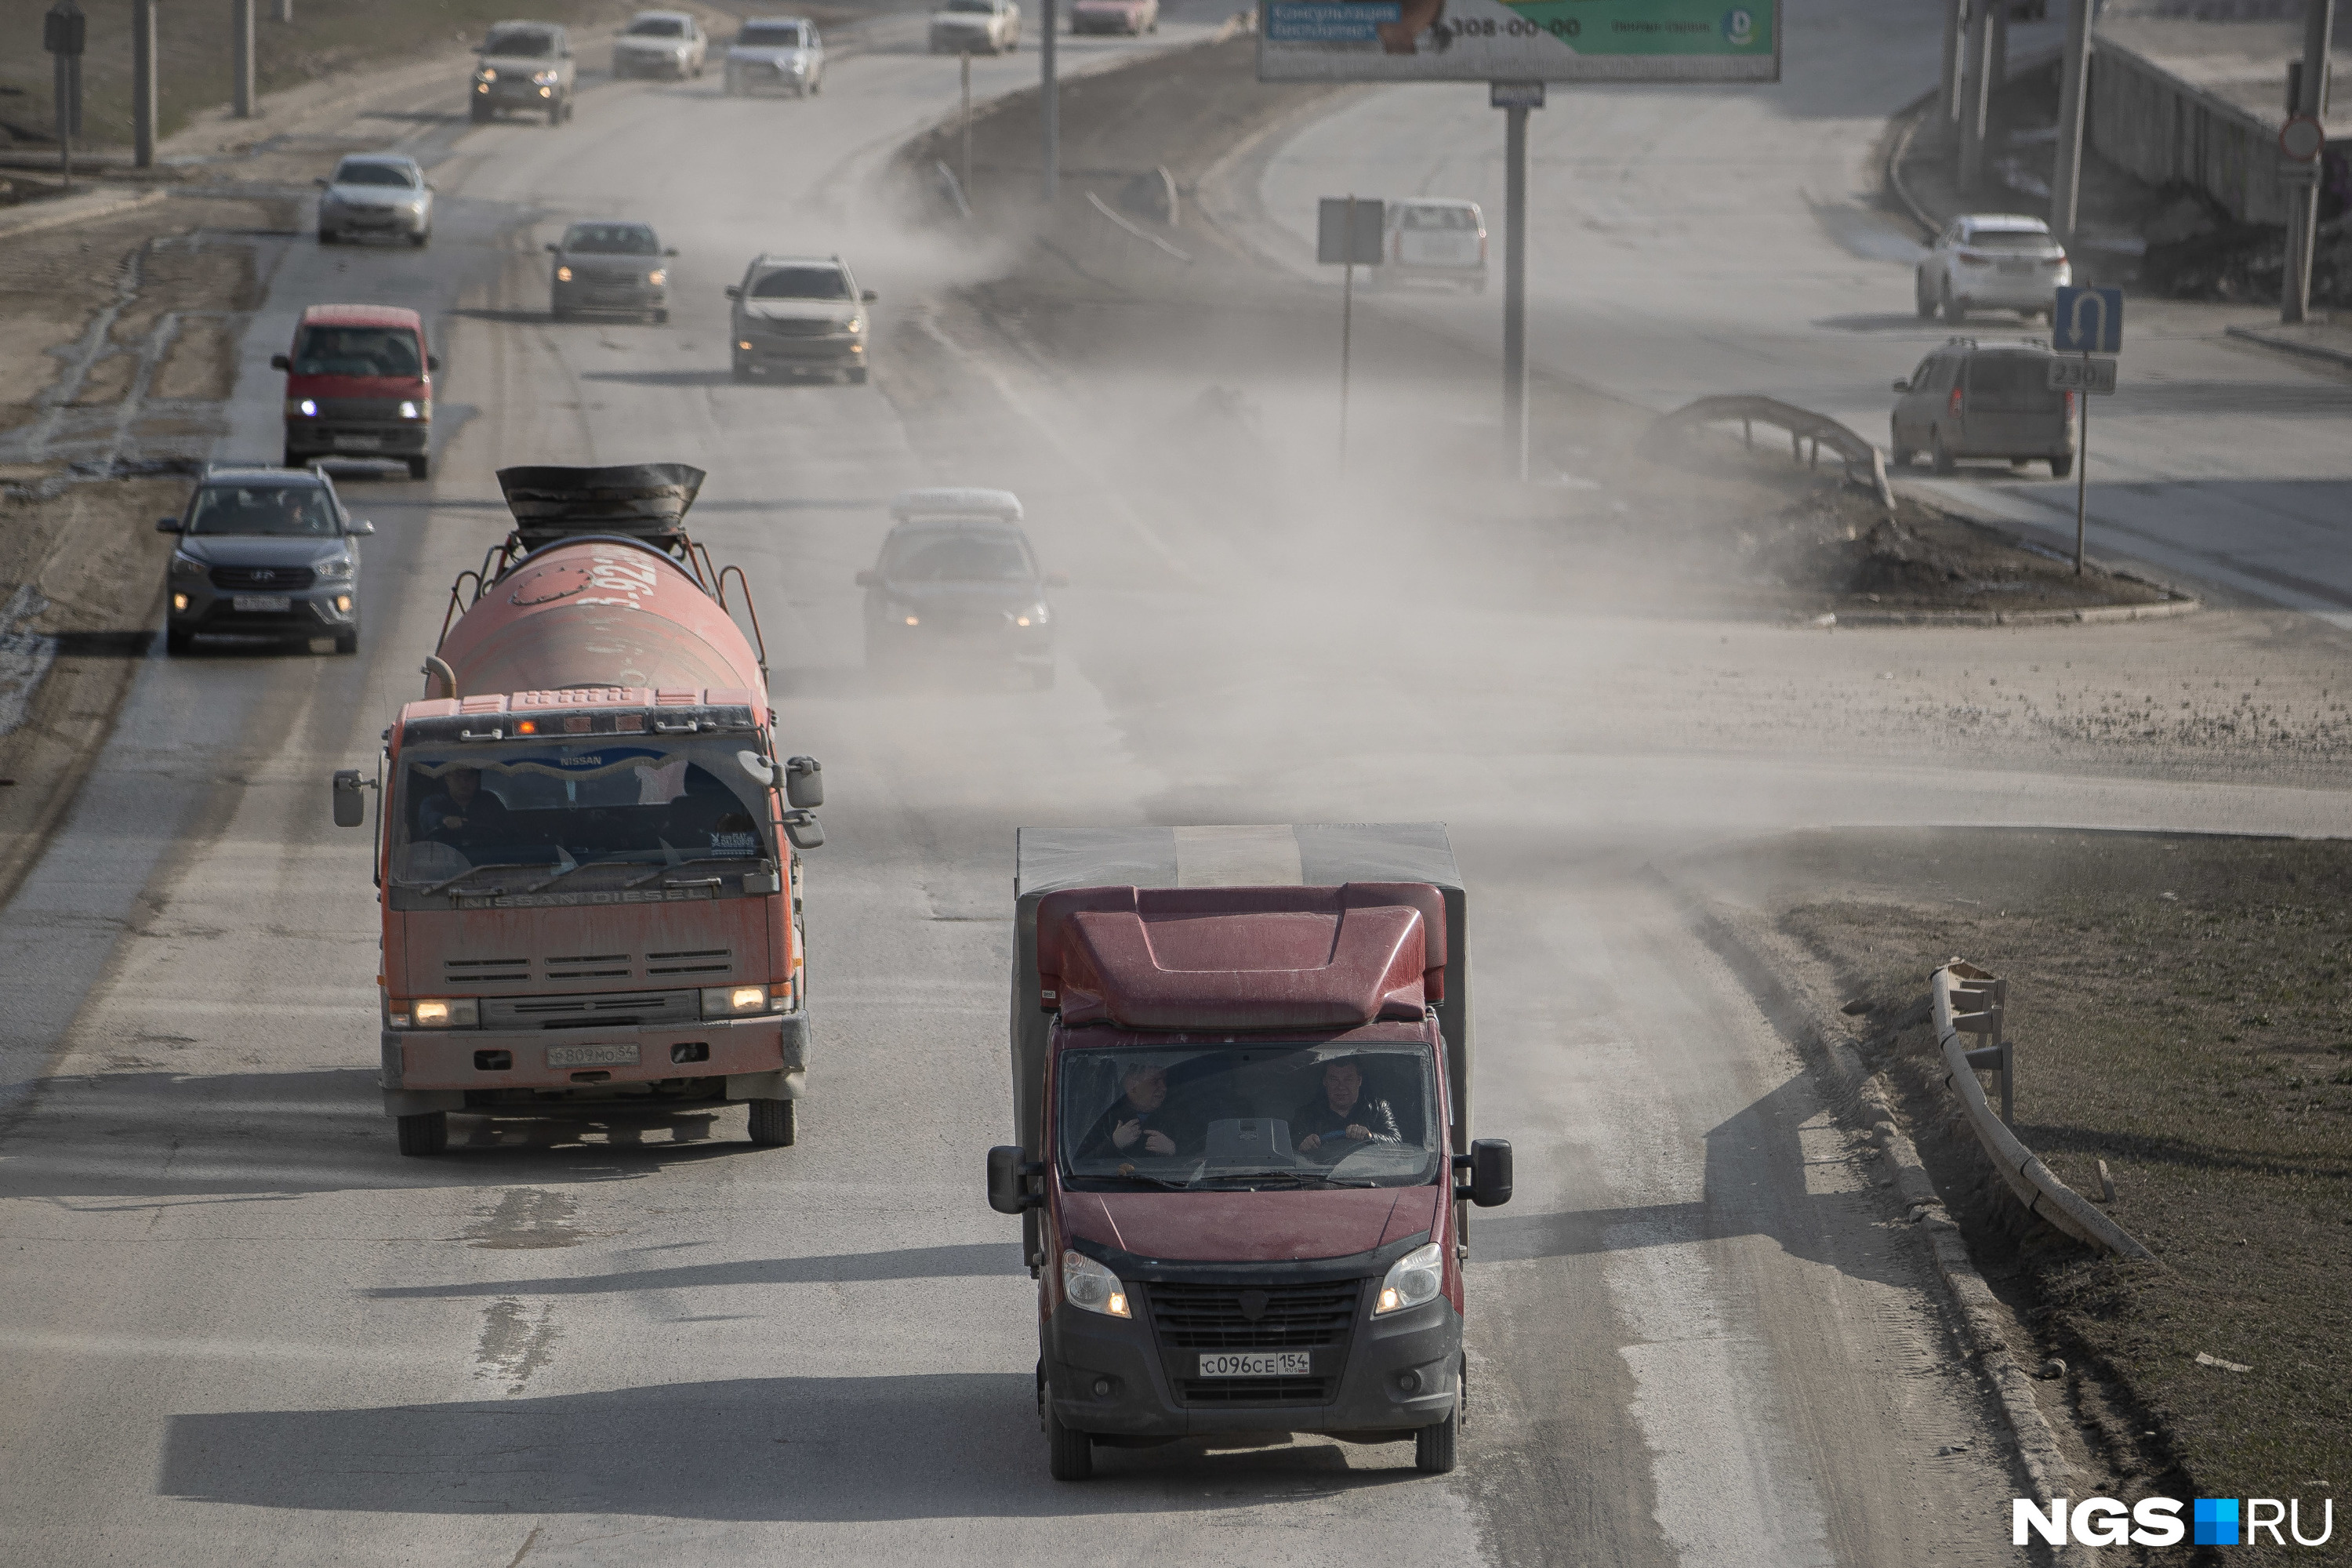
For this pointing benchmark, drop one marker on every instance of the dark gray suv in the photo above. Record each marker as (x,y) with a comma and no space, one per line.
(264,552)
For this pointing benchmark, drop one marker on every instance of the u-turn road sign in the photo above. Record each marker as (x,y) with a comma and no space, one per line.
(2088,321)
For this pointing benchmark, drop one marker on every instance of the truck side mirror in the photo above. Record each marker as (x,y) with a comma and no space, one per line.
(351,807)
(280,362)
(804,830)
(432,361)
(805,781)
(868,579)
(167,525)
(1008,1180)
(1490,1173)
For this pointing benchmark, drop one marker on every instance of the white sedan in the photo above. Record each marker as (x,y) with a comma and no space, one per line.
(976,28)
(1991,261)
(660,43)
(376,196)
(783,52)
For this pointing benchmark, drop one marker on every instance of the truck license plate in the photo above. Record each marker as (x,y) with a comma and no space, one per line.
(1257,1363)
(592,1056)
(260,604)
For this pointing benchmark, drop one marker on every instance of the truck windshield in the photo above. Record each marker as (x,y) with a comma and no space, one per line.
(1263,1114)
(618,815)
(357,351)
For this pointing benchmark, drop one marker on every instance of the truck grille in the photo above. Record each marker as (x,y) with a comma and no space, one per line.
(702,960)
(597,1010)
(459,972)
(1295,1316)
(1255,1390)
(268,579)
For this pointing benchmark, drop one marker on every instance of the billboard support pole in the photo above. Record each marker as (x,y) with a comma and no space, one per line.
(2303,200)
(241,55)
(1976,96)
(2066,181)
(143,83)
(1347,328)
(1515,289)
(1049,101)
(1947,85)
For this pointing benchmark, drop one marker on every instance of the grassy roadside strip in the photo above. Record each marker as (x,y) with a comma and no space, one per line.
(2183,1007)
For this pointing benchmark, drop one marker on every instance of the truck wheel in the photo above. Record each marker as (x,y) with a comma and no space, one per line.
(480,113)
(1069,1454)
(426,1134)
(772,1123)
(418,467)
(1433,1446)
(176,641)
(347,642)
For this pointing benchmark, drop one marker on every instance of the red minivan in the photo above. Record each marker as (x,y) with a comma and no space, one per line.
(358,385)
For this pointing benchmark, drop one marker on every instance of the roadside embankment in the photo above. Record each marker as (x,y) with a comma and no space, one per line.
(2182,1015)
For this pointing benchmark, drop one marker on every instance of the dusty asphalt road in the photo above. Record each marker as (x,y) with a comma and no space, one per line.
(238,1327)
(1685,242)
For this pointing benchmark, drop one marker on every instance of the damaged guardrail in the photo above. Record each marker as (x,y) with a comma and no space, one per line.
(1966,1000)
(1865,464)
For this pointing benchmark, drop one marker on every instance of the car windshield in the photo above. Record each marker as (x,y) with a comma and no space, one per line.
(1334,1113)
(1437,218)
(292,511)
(802,283)
(524,46)
(376,174)
(959,558)
(2008,239)
(2011,384)
(610,239)
(770,36)
(357,351)
(657,27)
(973,8)
(571,806)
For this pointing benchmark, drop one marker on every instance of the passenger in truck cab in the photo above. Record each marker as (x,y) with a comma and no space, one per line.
(1136,1121)
(1343,1113)
(463,812)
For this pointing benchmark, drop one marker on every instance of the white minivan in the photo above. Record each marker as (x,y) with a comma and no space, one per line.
(1429,239)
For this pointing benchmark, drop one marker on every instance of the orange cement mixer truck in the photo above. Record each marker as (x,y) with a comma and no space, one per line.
(587,836)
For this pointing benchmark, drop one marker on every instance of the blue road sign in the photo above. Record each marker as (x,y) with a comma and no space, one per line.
(2088,321)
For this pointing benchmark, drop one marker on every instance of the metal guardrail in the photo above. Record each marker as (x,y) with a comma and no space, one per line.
(1968,1000)
(1864,463)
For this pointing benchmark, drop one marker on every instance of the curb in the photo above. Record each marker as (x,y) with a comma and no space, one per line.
(2096,615)
(1749,954)
(77,209)
(2267,338)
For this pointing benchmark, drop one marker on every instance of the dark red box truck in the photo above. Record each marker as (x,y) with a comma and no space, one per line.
(1241,1068)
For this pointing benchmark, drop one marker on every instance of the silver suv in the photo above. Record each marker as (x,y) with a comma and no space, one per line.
(525,64)
(264,552)
(803,315)
(1994,400)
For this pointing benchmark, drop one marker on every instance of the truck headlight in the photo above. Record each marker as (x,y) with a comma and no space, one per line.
(1093,1287)
(1411,1280)
(733,1000)
(411,410)
(302,409)
(657,277)
(440,1013)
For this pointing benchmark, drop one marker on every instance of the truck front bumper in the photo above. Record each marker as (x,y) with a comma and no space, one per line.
(328,437)
(763,1058)
(1110,1377)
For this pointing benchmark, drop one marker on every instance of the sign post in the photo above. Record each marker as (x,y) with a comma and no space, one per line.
(2085,321)
(64,31)
(1049,101)
(1514,98)
(1347,233)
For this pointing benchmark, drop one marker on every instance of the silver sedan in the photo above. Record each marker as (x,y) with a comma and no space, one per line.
(376,196)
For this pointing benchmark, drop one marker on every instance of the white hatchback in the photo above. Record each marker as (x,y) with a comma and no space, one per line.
(1991,261)
(1435,240)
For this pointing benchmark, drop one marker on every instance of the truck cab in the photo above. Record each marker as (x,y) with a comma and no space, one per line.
(358,385)
(1246,1156)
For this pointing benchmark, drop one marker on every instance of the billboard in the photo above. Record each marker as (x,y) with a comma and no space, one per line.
(1518,40)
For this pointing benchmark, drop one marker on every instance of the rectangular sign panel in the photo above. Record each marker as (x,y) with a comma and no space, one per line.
(2084,374)
(2088,321)
(1336,244)
(1518,40)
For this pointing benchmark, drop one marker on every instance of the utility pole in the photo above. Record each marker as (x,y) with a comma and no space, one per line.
(1049,104)
(64,30)
(1976,95)
(965,56)
(241,43)
(282,11)
(2303,198)
(2073,98)
(143,83)
(1514,98)
(1947,85)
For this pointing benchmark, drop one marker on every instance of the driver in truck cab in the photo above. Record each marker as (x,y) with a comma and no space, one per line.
(1135,1121)
(463,812)
(1341,1113)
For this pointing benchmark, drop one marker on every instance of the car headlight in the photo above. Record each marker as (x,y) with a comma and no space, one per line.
(545,79)
(1093,1287)
(336,569)
(733,1000)
(186,565)
(564,275)
(413,411)
(657,277)
(486,74)
(440,1013)
(302,407)
(854,326)
(1411,1280)
(1035,615)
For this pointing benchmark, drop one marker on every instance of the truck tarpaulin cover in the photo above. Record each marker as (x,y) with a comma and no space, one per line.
(1317,854)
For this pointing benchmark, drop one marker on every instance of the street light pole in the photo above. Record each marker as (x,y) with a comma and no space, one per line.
(1049,104)
(143,83)
(1515,284)
(2073,81)
(2303,199)
(241,44)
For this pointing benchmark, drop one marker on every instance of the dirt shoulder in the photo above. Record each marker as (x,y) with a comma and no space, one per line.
(2183,1012)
